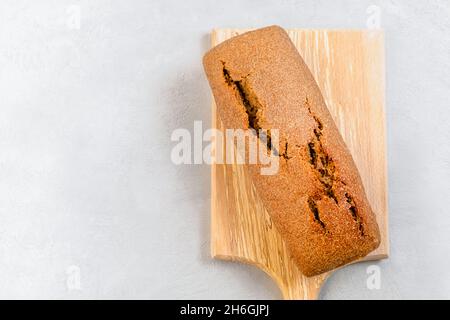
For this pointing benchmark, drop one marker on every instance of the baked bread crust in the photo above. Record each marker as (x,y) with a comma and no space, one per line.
(317,200)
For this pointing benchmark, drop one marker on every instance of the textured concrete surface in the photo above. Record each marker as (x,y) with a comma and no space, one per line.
(91,205)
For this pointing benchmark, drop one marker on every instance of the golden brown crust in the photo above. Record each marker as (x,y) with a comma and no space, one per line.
(317,200)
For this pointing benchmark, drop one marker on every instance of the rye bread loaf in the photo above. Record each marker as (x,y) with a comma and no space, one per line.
(316,200)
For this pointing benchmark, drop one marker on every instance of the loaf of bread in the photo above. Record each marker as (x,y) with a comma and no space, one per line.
(316,200)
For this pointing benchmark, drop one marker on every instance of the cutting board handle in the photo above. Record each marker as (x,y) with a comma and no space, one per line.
(242,231)
(295,287)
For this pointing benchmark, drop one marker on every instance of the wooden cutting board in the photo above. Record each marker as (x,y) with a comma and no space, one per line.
(349,68)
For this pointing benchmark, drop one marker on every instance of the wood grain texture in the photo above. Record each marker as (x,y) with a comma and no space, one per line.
(349,68)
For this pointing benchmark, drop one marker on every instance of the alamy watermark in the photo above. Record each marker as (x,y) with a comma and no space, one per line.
(73,280)
(373,21)
(73,19)
(231,146)
(373,281)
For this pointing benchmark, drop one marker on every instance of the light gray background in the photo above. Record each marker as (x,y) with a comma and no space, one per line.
(86,181)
